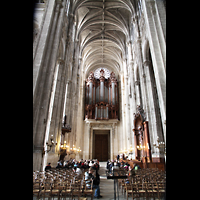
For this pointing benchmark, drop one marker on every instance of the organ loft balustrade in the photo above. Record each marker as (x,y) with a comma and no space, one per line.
(101,96)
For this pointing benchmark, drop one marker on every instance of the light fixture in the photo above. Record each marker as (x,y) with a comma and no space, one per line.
(130,149)
(50,145)
(74,150)
(64,148)
(160,146)
(140,147)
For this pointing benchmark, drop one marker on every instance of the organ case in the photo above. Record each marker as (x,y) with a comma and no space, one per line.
(101,97)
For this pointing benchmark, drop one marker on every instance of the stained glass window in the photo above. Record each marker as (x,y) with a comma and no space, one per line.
(106,73)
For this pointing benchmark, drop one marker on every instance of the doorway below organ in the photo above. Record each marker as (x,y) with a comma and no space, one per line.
(101,145)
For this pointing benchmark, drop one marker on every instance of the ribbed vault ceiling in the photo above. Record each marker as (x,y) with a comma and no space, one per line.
(102,32)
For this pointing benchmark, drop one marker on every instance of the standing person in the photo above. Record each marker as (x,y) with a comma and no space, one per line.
(107,166)
(93,175)
(96,182)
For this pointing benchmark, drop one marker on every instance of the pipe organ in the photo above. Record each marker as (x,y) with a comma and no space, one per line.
(101,97)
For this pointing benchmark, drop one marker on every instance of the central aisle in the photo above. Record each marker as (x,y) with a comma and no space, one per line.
(107,185)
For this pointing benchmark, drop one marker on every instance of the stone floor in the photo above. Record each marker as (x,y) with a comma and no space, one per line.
(107,185)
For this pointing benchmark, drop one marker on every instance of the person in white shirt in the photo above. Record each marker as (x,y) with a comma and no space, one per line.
(77,170)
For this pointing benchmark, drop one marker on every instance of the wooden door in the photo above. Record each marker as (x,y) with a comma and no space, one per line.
(101,147)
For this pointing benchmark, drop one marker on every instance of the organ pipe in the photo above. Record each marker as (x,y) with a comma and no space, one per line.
(101,97)
(90,93)
(113,93)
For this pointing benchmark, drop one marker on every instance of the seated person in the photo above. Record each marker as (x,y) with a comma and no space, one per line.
(66,165)
(48,166)
(59,164)
(77,170)
(136,166)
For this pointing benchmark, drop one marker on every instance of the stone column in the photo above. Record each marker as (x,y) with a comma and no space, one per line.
(128,127)
(90,141)
(86,140)
(116,141)
(137,82)
(133,106)
(40,124)
(152,119)
(112,134)
(154,22)
(67,103)
(80,132)
(140,66)
(50,112)
(43,43)
(66,92)
(155,120)
(123,131)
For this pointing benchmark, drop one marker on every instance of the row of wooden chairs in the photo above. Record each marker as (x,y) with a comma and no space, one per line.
(145,190)
(61,184)
(145,183)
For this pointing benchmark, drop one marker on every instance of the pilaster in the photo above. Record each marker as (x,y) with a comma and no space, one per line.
(157,47)
(43,42)
(46,81)
(152,112)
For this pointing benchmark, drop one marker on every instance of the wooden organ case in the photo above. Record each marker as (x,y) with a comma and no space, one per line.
(101,97)
(141,134)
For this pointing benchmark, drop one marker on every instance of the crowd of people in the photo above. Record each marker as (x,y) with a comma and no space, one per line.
(121,164)
(71,163)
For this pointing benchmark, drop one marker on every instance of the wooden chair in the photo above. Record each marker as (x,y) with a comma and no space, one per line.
(128,190)
(142,189)
(135,192)
(122,185)
(56,189)
(161,189)
(46,191)
(88,191)
(36,189)
(67,190)
(76,189)
(152,190)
